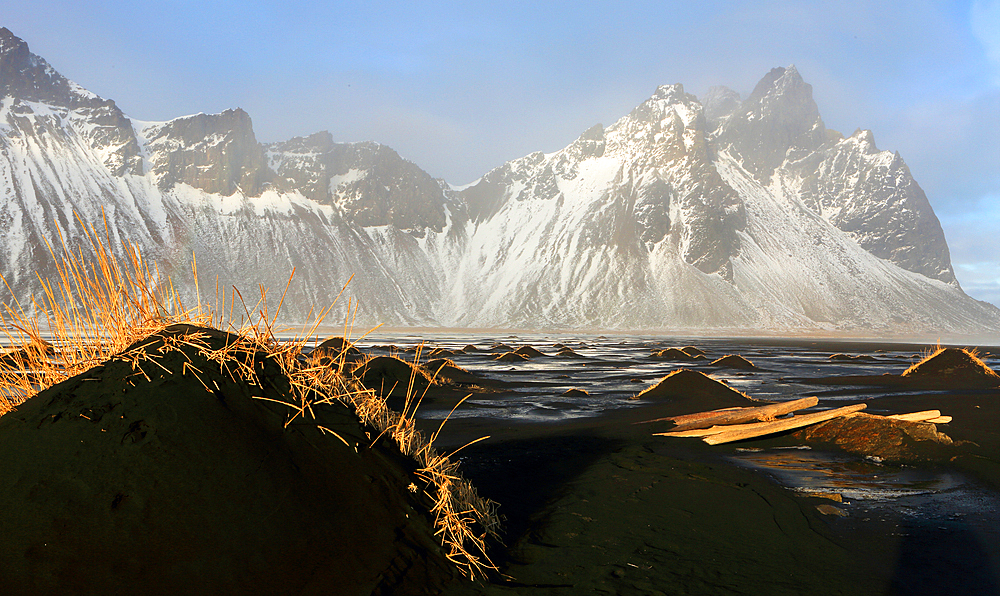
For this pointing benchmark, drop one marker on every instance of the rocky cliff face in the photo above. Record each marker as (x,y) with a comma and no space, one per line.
(724,213)
(778,136)
(216,153)
(779,117)
(369,183)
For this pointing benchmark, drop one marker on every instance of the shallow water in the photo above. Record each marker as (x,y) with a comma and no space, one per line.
(615,369)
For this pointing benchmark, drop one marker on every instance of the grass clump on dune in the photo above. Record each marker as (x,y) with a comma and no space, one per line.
(958,364)
(104,309)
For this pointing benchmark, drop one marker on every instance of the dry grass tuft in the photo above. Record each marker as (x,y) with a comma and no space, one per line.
(464,520)
(99,309)
(949,362)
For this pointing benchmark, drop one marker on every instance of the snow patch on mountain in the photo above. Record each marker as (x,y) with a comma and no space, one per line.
(725,213)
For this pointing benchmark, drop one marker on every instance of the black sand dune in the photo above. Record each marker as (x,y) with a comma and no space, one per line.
(676,355)
(946,368)
(391,376)
(139,477)
(335,350)
(529,352)
(686,391)
(734,361)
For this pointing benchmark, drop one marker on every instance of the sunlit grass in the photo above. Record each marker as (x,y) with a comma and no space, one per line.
(971,361)
(97,309)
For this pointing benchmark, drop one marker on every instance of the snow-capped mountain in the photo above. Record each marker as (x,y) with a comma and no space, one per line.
(685,214)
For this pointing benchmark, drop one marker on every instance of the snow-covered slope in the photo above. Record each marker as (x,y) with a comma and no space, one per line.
(662,221)
(745,214)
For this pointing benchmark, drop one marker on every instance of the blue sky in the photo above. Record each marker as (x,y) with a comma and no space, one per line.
(459,88)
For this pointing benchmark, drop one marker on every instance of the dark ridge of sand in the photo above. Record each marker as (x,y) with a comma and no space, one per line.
(947,368)
(511,357)
(443,370)
(851,357)
(687,391)
(734,361)
(470,349)
(957,365)
(568,353)
(501,347)
(674,354)
(334,350)
(392,376)
(121,482)
(574,392)
(529,352)
(441,353)
(337,344)
(693,351)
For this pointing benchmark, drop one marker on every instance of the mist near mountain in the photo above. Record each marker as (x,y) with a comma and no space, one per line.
(710,215)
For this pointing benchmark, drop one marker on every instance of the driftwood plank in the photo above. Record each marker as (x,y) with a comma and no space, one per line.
(697,432)
(939,420)
(731,416)
(917,416)
(749,431)
(694,416)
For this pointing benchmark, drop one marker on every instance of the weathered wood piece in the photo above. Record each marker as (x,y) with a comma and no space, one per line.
(697,432)
(939,420)
(917,416)
(729,416)
(749,431)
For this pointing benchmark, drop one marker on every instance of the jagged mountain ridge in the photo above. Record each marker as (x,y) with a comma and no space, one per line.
(668,218)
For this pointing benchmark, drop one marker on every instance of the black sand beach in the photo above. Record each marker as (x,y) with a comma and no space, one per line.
(598,505)
(592,501)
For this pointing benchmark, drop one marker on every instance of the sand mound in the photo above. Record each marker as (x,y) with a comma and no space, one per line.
(160,472)
(734,361)
(470,348)
(960,366)
(335,350)
(501,347)
(567,353)
(443,370)
(441,353)
(574,392)
(389,375)
(674,354)
(692,391)
(511,357)
(851,357)
(693,351)
(529,352)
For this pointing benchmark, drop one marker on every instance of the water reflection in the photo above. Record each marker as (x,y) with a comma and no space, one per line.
(853,478)
(614,369)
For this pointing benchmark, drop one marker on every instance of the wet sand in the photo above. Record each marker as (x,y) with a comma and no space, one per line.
(593,502)
(598,505)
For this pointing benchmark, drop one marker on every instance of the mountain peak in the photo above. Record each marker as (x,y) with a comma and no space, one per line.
(11,43)
(779,115)
(26,76)
(781,82)
(670,93)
